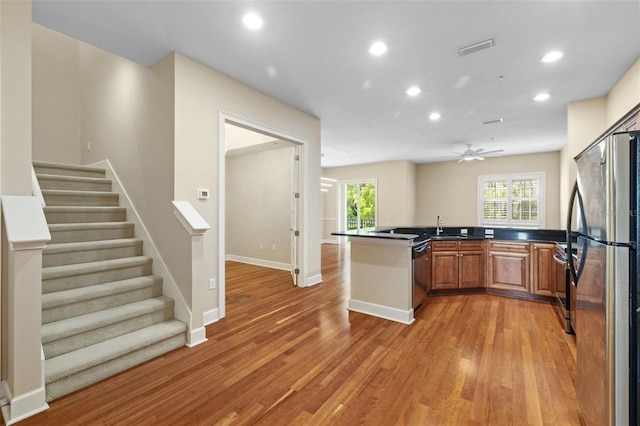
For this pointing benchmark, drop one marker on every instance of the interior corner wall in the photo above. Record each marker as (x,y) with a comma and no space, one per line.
(588,119)
(201,95)
(394,192)
(15,107)
(624,95)
(258,206)
(56,97)
(450,189)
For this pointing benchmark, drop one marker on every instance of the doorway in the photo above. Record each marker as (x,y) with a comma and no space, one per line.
(262,180)
(358,205)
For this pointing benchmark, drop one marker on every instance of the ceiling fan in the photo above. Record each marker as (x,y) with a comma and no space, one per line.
(477,154)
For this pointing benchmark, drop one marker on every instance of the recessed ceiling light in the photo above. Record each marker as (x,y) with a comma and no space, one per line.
(434,116)
(541,97)
(378,48)
(252,21)
(413,91)
(552,56)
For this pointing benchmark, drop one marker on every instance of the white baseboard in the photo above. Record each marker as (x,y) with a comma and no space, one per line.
(197,336)
(259,262)
(22,406)
(313,280)
(211,316)
(386,312)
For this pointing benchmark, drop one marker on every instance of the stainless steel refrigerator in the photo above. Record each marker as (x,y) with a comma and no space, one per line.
(605,276)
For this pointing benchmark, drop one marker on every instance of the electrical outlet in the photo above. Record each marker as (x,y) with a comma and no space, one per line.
(88,146)
(261,246)
(212,283)
(273,247)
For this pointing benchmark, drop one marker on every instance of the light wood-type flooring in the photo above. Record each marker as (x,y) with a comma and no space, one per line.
(295,356)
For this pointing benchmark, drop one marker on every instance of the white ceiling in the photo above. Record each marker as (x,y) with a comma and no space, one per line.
(314,56)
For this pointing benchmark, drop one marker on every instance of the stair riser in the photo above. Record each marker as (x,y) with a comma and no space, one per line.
(68,258)
(75,342)
(74,236)
(68,172)
(106,199)
(70,310)
(85,217)
(66,385)
(83,280)
(74,186)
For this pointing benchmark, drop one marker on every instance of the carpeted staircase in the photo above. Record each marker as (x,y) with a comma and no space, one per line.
(102,309)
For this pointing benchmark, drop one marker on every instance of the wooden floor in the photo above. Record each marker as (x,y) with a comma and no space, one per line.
(295,356)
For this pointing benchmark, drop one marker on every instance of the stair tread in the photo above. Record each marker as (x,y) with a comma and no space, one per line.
(62,166)
(95,320)
(45,176)
(75,295)
(83,193)
(89,267)
(52,209)
(79,226)
(90,245)
(73,362)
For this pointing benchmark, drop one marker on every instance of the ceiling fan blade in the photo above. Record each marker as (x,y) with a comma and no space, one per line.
(495,151)
(478,158)
(460,160)
(458,153)
(479,150)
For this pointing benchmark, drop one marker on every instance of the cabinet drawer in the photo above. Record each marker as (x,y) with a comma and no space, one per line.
(444,245)
(477,245)
(509,246)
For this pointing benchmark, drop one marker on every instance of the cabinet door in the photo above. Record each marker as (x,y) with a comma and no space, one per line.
(444,270)
(509,270)
(471,269)
(543,269)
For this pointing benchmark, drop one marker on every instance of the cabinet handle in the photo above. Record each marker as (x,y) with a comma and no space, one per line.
(535,248)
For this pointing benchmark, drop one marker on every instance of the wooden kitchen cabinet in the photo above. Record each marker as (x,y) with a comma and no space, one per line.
(509,265)
(457,264)
(444,265)
(471,264)
(542,265)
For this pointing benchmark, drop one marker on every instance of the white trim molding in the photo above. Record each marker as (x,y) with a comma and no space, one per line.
(385,312)
(259,262)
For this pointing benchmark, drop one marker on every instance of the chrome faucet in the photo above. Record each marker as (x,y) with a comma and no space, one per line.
(439,229)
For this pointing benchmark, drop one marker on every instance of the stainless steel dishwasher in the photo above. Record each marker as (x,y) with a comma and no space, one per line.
(419,253)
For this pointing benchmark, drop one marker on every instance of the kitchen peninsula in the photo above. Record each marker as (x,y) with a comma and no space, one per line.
(388,281)
(381,274)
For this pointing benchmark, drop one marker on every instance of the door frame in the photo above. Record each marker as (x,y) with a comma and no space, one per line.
(302,211)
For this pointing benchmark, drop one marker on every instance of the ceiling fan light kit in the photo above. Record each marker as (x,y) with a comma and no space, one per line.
(477,154)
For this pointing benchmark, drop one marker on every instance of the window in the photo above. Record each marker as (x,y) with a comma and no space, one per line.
(515,200)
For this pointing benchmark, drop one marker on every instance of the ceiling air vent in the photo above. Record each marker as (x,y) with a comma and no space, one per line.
(477,46)
(492,121)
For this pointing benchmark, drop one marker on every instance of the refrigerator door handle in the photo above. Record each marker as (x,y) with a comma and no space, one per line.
(575,195)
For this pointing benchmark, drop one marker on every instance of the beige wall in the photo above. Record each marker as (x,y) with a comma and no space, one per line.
(450,189)
(258,206)
(202,94)
(56,97)
(588,119)
(395,192)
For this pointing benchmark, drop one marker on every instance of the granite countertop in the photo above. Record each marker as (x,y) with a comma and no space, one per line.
(420,234)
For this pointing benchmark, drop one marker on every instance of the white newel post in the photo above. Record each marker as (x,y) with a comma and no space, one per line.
(26,232)
(196,226)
